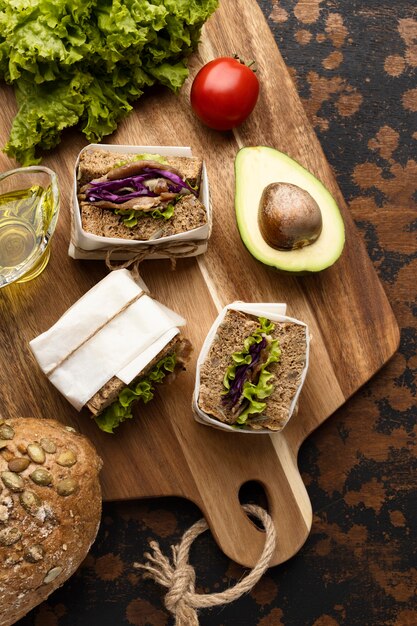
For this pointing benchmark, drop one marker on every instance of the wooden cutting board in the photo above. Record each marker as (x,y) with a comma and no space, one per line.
(163,452)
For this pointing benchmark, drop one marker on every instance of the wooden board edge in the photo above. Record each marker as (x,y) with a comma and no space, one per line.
(296,444)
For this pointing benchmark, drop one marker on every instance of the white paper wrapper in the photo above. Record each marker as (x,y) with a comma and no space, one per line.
(96,340)
(84,245)
(275,313)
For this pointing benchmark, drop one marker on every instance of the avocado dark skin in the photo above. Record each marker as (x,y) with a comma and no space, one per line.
(289,218)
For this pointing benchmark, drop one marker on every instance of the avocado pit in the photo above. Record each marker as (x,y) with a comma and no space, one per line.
(289,218)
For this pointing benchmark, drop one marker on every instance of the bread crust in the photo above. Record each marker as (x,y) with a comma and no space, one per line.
(46,530)
(229,338)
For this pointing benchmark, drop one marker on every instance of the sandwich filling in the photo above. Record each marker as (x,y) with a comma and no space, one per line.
(247,381)
(142,389)
(137,189)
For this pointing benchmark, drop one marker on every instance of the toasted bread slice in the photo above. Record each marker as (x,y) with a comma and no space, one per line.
(189,213)
(230,337)
(96,163)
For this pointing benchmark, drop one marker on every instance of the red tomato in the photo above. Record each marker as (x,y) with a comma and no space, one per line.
(224,93)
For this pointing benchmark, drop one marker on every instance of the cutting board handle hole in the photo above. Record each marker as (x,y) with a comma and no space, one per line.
(253,492)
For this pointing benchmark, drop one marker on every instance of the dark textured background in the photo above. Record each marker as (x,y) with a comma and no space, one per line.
(354,65)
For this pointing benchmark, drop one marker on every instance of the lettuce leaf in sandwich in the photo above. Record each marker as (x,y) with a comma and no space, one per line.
(142,389)
(112,404)
(247,381)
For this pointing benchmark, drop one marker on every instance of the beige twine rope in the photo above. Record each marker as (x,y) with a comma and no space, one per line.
(172,251)
(52,369)
(179,576)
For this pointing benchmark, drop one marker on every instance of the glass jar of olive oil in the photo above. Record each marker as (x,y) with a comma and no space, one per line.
(29,207)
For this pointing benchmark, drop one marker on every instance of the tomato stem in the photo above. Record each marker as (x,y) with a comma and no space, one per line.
(251,64)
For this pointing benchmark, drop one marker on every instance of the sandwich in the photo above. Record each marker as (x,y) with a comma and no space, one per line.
(139,197)
(112,348)
(253,371)
(113,403)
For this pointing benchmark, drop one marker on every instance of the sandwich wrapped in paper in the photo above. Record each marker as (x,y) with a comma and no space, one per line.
(139,197)
(251,369)
(112,348)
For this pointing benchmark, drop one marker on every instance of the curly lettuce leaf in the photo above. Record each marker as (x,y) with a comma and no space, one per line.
(43,113)
(172,76)
(254,393)
(243,357)
(121,409)
(104,107)
(130,217)
(142,157)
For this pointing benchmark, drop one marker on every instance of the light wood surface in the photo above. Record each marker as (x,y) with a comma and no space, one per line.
(163,451)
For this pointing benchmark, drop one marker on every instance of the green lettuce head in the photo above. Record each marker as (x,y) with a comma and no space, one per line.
(85,63)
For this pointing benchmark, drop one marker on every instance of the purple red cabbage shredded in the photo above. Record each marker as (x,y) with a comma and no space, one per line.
(124,189)
(242,374)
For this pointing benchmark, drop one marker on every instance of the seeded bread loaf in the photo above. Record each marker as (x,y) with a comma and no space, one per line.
(189,212)
(50,507)
(229,338)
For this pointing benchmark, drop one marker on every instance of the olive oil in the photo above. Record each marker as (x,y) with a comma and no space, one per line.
(25,215)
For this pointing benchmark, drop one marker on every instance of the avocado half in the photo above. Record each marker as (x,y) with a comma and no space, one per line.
(255,168)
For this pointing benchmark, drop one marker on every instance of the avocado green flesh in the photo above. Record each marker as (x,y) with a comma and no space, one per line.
(257,167)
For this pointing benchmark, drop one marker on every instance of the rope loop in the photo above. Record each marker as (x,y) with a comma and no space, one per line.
(178,576)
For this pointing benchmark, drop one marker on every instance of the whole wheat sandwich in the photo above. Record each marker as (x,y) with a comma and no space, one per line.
(253,371)
(139,197)
(113,403)
(112,348)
